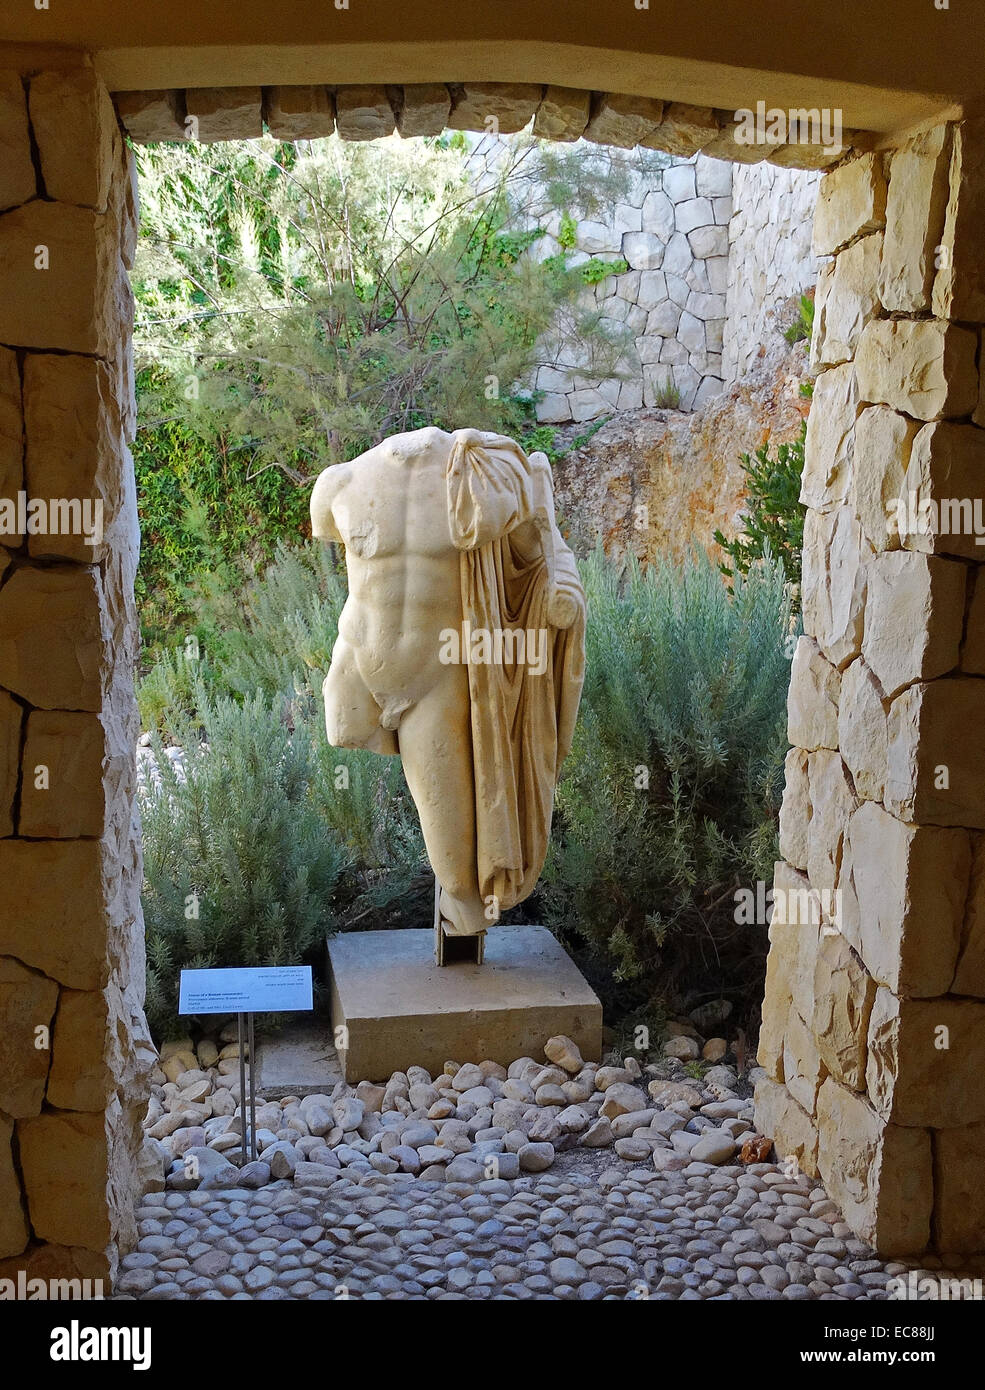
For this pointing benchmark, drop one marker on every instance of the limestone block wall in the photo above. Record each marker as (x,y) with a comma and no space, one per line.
(874,1021)
(667,310)
(712,249)
(770,256)
(72,1034)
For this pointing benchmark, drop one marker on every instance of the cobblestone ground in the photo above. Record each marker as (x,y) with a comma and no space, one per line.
(584,1230)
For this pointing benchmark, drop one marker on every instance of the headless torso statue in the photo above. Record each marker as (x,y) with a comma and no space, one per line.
(460,649)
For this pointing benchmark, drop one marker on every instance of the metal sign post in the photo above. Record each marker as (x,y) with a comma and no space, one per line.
(242,1087)
(253,1092)
(275,989)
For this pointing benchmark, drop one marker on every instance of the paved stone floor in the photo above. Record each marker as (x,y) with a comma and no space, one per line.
(586,1229)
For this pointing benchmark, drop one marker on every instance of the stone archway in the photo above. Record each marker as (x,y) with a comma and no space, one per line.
(886,689)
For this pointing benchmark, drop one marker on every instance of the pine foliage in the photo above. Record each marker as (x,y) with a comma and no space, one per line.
(296,303)
(773,524)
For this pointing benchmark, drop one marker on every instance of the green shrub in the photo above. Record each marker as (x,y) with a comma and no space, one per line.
(274,636)
(568,231)
(238,867)
(277,634)
(296,303)
(803,325)
(170,685)
(596,270)
(667,395)
(773,520)
(593,429)
(543,438)
(207,520)
(265,790)
(669,799)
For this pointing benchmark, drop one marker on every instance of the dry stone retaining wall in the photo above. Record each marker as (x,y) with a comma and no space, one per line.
(711,250)
(668,307)
(770,256)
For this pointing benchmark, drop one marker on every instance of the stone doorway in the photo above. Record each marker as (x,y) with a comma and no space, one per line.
(873,1027)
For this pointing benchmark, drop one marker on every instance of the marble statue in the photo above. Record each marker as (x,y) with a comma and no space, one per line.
(460,649)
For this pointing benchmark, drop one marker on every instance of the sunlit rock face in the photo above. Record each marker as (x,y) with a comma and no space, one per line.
(654,482)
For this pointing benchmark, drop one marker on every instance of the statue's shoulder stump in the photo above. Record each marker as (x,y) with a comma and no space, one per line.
(400,1009)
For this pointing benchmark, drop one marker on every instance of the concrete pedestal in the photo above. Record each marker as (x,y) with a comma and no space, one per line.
(400,1009)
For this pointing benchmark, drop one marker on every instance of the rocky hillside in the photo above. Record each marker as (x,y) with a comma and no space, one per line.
(659,481)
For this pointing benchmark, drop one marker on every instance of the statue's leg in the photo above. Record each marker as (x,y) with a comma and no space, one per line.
(436,748)
(352,716)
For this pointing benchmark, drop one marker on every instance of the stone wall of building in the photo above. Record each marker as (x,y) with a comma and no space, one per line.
(874,1020)
(770,256)
(73,1042)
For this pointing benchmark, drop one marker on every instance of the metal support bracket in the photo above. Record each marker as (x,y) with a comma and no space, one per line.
(454,950)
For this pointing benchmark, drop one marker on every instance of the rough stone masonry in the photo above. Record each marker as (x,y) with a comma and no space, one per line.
(72,1045)
(874,1025)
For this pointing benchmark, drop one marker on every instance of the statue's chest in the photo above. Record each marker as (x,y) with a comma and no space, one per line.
(396,514)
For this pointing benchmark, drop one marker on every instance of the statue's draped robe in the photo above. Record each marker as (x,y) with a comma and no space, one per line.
(522,722)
